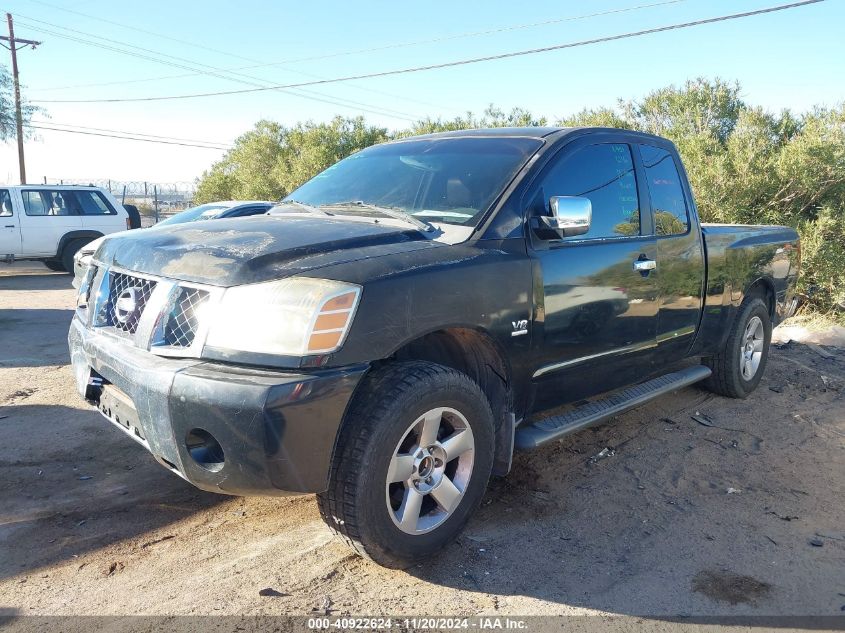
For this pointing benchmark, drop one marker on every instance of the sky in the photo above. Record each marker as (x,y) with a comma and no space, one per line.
(790,59)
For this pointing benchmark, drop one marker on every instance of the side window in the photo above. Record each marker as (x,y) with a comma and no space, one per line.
(667,195)
(49,202)
(93,203)
(603,173)
(5,203)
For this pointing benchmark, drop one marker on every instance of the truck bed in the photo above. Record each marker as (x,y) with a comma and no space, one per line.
(739,256)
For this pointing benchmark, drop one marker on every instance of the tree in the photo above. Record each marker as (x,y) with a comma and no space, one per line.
(701,107)
(8,130)
(599,117)
(491,117)
(309,148)
(270,161)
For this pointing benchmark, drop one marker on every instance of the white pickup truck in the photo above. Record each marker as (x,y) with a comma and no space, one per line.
(51,223)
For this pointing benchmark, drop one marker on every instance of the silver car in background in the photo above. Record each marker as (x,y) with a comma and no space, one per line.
(209,211)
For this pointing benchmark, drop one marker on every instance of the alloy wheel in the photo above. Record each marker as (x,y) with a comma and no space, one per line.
(430,470)
(751,348)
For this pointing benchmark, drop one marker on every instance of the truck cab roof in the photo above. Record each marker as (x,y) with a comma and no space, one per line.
(538,132)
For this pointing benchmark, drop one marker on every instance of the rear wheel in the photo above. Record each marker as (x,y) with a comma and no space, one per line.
(69,251)
(56,265)
(739,367)
(411,464)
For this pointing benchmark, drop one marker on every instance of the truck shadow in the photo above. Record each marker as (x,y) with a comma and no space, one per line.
(656,512)
(36,279)
(633,517)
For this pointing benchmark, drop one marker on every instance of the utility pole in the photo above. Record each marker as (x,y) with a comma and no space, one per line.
(13,47)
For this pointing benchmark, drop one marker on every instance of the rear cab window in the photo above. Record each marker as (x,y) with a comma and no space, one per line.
(668,203)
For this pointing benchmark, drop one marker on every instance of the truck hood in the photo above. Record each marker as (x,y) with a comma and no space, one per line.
(238,251)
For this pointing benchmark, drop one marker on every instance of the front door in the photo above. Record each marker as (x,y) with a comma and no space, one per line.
(10,232)
(596,318)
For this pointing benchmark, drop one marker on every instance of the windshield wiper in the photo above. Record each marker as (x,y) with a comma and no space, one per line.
(391,212)
(307,207)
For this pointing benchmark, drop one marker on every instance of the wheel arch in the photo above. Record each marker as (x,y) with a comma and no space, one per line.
(474,352)
(70,236)
(764,288)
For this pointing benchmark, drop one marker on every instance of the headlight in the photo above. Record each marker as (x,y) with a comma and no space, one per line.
(291,317)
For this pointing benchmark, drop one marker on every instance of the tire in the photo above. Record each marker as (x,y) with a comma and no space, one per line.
(70,250)
(382,436)
(56,265)
(134,216)
(735,374)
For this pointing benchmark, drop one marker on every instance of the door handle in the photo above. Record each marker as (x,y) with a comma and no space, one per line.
(644,265)
(10,226)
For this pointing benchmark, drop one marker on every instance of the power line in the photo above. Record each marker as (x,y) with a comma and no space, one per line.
(125,138)
(158,136)
(475,60)
(457,36)
(444,38)
(214,71)
(343,102)
(211,70)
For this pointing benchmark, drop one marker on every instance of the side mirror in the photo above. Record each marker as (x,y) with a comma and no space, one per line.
(570,215)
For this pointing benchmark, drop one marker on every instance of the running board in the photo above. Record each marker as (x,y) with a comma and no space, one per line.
(552,428)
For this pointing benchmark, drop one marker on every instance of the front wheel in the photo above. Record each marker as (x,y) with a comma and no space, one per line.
(411,463)
(739,366)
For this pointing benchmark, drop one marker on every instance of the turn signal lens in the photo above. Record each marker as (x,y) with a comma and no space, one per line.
(332,322)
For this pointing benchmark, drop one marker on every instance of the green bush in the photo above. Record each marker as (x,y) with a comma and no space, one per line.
(823,260)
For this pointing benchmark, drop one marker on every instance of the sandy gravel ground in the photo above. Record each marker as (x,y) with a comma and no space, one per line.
(740,512)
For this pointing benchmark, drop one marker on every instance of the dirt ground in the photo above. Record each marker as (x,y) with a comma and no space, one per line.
(739,511)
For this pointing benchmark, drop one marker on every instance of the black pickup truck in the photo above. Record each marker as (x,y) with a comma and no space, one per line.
(386,335)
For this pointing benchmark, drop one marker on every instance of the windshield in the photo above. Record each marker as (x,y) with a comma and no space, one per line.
(440,180)
(202,212)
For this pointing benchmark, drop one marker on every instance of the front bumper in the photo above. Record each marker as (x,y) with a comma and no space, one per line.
(276,430)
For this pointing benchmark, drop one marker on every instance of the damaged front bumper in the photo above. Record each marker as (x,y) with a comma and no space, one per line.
(223,428)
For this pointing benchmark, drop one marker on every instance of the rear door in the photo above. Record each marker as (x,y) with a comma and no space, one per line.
(680,253)
(48,215)
(596,318)
(10,233)
(98,214)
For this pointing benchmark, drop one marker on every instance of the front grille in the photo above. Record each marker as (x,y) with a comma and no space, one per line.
(172,313)
(127,297)
(183,322)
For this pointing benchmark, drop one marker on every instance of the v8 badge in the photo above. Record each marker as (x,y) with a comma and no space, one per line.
(519,327)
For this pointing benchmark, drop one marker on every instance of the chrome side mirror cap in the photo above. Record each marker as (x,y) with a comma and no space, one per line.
(570,215)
